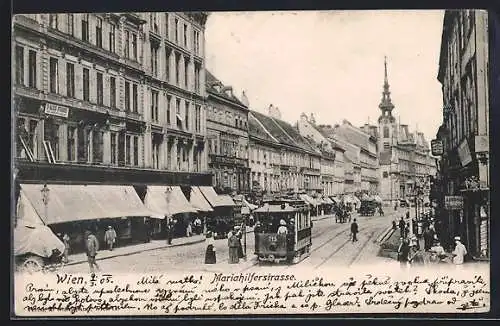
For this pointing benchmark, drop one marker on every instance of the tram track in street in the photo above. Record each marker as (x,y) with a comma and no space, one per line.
(335,251)
(365,243)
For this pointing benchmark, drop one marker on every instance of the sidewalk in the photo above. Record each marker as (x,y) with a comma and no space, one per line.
(138,248)
(153,245)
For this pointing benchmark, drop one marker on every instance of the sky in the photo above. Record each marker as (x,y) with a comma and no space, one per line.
(331,63)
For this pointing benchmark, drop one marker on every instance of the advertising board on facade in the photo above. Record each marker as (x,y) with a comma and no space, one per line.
(453,202)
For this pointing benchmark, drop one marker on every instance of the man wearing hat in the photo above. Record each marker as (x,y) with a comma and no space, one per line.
(110,237)
(354,230)
(459,252)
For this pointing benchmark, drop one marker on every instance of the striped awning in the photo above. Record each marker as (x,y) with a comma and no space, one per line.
(214,199)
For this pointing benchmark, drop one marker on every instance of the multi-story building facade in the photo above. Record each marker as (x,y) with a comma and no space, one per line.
(332,156)
(464,134)
(368,156)
(90,93)
(227,137)
(265,158)
(300,163)
(403,156)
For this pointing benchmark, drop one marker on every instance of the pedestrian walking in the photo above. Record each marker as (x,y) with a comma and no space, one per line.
(110,237)
(459,252)
(380,211)
(92,247)
(354,230)
(210,256)
(65,240)
(239,234)
(189,230)
(403,251)
(170,231)
(407,230)
(233,244)
(402,227)
(428,238)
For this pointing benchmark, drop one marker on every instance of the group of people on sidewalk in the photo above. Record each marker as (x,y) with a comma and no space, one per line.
(234,244)
(410,251)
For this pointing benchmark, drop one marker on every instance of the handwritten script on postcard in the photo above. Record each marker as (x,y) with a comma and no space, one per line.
(245,293)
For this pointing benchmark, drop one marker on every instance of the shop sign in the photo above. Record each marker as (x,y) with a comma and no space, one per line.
(453,202)
(437,147)
(464,153)
(57,110)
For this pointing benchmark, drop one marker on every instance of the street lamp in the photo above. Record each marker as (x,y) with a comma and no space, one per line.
(45,198)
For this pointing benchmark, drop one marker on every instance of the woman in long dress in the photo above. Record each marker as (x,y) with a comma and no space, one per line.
(233,244)
(239,234)
(210,257)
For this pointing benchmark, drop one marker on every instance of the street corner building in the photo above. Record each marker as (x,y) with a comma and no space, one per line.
(461,188)
(107,106)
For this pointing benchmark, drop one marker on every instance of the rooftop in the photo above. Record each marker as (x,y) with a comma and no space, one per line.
(216,87)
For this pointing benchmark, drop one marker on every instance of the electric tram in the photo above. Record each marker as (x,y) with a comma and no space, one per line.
(272,242)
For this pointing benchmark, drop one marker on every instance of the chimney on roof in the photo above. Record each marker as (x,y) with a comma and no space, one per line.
(244,99)
(312,119)
(274,112)
(228,90)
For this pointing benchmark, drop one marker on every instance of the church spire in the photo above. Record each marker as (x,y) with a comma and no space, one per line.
(386,105)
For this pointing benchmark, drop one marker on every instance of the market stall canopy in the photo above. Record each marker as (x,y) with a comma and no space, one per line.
(167,200)
(308,199)
(245,210)
(67,203)
(198,201)
(214,199)
(349,198)
(35,239)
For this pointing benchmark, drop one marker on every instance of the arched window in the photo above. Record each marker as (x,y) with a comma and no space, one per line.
(386,132)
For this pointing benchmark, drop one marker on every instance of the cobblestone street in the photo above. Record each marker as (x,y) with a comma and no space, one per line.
(331,247)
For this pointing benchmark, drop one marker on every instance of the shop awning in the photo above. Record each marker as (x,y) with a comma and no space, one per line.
(67,203)
(214,199)
(328,201)
(308,199)
(250,205)
(198,201)
(167,200)
(226,200)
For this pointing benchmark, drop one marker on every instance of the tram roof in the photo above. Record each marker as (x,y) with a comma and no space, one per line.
(275,209)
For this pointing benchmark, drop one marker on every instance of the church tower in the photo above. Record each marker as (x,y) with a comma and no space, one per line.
(386,121)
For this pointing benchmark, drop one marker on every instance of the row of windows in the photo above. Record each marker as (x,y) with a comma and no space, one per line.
(75,143)
(85,144)
(227,148)
(183,34)
(181,75)
(182,116)
(103,33)
(227,117)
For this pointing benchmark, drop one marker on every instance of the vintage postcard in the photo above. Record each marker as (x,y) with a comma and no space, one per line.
(248,163)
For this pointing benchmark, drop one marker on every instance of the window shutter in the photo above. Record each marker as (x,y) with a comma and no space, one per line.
(92,35)
(78,81)
(61,69)
(106,90)
(78,25)
(105,37)
(93,85)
